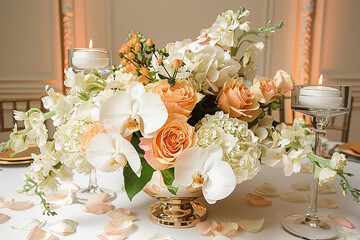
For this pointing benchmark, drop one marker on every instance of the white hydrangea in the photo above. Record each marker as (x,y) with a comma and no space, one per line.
(240,145)
(119,80)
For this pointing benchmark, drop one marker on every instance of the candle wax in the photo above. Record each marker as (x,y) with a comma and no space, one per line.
(320,97)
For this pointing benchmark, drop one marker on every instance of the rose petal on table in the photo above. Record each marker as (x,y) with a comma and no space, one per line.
(118,213)
(20,206)
(96,198)
(342,221)
(301,186)
(159,236)
(293,197)
(65,196)
(53,206)
(38,234)
(4,201)
(65,227)
(119,225)
(267,190)
(346,235)
(4,218)
(110,236)
(227,229)
(29,224)
(204,228)
(96,204)
(327,188)
(326,203)
(55,196)
(252,226)
(256,200)
(219,237)
(305,168)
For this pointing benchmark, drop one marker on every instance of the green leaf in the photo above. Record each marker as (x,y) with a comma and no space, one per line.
(261,115)
(133,183)
(295,145)
(135,141)
(83,96)
(275,105)
(95,73)
(151,74)
(58,165)
(168,177)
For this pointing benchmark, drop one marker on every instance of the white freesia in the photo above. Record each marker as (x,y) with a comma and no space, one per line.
(133,110)
(110,151)
(338,161)
(215,176)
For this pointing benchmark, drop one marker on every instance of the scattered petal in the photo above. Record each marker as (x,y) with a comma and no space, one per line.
(29,224)
(256,200)
(219,237)
(204,228)
(39,234)
(118,213)
(65,227)
(53,206)
(19,206)
(346,235)
(65,196)
(119,225)
(305,168)
(342,221)
(267,190)
(301,186)
(327,188)
(293,197)
(159,236)
(110,236)
(4,218)
(4,201)
(251,225)
(96,204)
(326,203)
(227,229)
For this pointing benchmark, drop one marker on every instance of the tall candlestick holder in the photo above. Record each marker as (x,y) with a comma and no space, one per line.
(87,60)
(311,225)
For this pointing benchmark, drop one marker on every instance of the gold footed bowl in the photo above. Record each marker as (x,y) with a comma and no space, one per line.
(176,211)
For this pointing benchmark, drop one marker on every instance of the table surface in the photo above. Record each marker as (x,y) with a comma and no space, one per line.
(233,208)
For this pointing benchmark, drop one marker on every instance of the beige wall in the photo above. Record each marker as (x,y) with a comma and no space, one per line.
(31,52)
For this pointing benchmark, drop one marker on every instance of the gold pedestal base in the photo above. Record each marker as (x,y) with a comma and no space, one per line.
(177,212)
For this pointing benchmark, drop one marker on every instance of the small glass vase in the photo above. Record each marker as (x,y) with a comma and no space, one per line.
(311,225)
(177,211)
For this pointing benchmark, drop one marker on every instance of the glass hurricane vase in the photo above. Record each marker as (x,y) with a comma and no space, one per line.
(318,105)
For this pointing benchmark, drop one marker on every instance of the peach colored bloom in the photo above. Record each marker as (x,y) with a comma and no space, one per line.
(283,81)
(168,142)
(265,90)
(90,132)
(237,99)
(183,95)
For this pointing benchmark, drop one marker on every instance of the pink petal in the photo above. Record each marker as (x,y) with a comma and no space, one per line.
(118,213)
(227,229)
(19,206)
(305,168)
(342,221)
(204,228)
(53,206)
(256,200)
(98,198)
(3,218)
(38,234)
(98,208)
(251,225)
(120,225)
(110,236)
(55,196)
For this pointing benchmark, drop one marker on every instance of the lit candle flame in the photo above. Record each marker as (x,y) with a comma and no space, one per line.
(90,43)
(320,80)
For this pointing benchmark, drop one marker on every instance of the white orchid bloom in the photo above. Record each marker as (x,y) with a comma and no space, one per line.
(109,152)
(133,110)
(203,167)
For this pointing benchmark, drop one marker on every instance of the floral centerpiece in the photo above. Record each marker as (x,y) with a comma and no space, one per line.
(194,110)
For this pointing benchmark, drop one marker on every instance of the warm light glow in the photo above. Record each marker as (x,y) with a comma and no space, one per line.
(320,80)
(90,43)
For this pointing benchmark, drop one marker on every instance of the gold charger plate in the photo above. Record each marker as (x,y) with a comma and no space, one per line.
(20,158)
(346,148)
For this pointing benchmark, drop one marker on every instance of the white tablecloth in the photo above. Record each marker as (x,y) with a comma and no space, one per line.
(233,208)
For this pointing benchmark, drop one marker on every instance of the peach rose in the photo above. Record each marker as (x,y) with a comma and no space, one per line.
(237,99)
(265,90)
(180,98)
(168,142)
(283,81)
(90,132)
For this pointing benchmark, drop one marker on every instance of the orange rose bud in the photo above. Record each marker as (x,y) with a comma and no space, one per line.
(144,71)
(176,63)
(149,42)
(159,61)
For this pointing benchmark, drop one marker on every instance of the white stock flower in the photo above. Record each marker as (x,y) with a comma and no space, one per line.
(18,143)
(248,65)
(338,161)
(240,146)
(208,171)
(133,110)
(109,152)
(324,174)
(292,161)
(75,81)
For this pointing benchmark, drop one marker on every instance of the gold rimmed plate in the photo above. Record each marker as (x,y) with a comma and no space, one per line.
(350,148)
(19,158)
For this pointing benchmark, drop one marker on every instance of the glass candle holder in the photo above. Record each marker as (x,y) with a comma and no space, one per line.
(89,59)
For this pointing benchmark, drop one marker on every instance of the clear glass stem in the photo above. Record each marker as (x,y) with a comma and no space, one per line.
(319,124)
(93,183)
